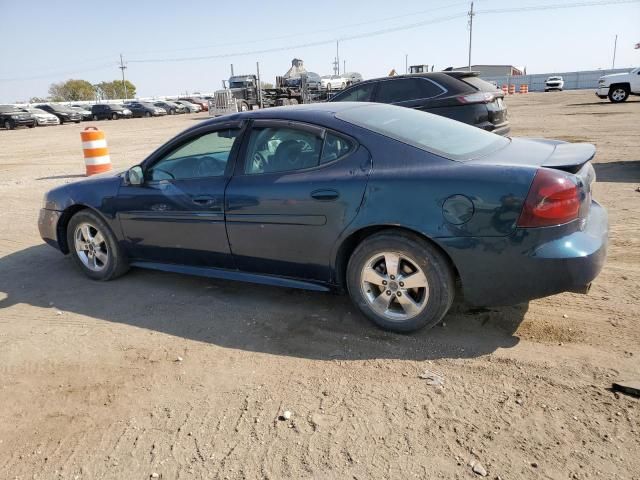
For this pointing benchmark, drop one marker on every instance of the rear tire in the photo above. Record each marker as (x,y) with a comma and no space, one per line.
(114,116)
(95,118)
(618,94)
(87,233)
(147,114)
(390,299)
(8,125)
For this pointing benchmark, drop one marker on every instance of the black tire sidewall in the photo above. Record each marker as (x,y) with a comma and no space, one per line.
(435,266)
(116,264)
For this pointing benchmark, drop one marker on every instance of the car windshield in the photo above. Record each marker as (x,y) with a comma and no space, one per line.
(555,78)
(426,131)
(36,110)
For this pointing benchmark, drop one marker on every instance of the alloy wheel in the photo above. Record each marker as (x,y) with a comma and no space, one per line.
(91,247)
(618,94)
(394,285)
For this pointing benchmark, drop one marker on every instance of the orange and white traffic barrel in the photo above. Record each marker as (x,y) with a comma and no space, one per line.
(512,89)
(505,89)
(524,88)
(96,153)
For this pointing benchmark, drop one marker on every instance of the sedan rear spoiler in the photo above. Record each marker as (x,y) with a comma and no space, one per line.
(570,157)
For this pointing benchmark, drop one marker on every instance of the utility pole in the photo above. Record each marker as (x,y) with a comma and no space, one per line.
(232,69)
(124,83)
(615,45)
(471,14)
(344,67)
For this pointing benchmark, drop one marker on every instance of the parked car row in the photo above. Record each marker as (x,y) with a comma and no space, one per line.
(12,116)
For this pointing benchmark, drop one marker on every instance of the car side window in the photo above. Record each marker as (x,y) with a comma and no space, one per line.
(361,93)
(281,149)
(404,89)
(334,147)
(204,156)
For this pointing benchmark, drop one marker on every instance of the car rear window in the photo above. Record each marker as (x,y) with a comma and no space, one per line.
(426,131)
(479,84)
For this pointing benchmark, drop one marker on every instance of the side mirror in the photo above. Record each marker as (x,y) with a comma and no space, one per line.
(135,175)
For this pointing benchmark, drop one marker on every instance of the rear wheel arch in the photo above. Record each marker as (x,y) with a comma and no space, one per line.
(351,242)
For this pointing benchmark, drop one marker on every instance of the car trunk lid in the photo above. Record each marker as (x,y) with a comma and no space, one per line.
(572,158)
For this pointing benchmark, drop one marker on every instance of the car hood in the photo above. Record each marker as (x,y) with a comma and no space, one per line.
(90,191)
(614,75)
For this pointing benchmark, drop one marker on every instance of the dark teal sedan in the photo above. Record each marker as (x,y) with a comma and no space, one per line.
(403,210)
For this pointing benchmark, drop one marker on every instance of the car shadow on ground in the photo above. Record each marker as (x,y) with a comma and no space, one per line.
(62,177)
(626,171)
(237,315)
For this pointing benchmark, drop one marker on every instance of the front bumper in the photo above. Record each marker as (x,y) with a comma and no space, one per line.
(531,263)
(47,121)
(48,226)
(602,92)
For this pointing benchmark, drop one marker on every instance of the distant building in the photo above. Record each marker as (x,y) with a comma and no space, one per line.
(493,70)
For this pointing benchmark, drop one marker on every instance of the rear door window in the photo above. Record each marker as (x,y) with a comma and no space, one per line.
(361,93)
(405,89)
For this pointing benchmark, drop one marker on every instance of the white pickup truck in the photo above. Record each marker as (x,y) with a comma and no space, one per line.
(618,86)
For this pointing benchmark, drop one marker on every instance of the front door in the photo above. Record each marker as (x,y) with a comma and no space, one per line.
(296,187)
(177,214)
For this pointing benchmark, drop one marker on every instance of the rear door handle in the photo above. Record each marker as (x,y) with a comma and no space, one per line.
(325,195)
(204,200)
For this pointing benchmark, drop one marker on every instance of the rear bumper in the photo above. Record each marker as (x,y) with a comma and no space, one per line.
(531,263)
(48,226)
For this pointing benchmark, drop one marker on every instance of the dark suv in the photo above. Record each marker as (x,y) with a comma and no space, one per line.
(460,96)
(104,111)
(64,113)
(12,117)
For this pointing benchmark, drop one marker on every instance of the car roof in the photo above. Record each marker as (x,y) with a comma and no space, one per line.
(315,113)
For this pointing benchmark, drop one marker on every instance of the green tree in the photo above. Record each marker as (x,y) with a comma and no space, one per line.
(115,89)
(71,91)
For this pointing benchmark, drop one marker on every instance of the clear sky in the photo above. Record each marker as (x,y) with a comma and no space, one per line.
(46,41)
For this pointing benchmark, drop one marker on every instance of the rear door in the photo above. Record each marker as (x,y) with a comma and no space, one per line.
(295,188)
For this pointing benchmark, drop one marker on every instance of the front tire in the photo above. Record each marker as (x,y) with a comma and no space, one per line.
(8,125)
(618,94)
(400,281)
(94,248)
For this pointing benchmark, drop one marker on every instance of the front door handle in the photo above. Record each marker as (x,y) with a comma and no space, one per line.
(325,195)
(204,200)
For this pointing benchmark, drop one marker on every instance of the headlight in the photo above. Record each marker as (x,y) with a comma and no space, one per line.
(15,117)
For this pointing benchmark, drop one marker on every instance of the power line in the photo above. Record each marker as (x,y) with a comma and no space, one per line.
(385,30)
(313,32)
(304,45)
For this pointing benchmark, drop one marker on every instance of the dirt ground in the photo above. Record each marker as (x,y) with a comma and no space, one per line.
(158,375)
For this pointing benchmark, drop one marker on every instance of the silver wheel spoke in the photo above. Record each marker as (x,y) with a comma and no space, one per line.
(98,239)
(415,280)
(408,305)
(371,275)
(382,301)
(100,255)
(392,261)
(86,234)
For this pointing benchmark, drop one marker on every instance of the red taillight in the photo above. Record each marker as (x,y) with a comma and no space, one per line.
(553,198)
